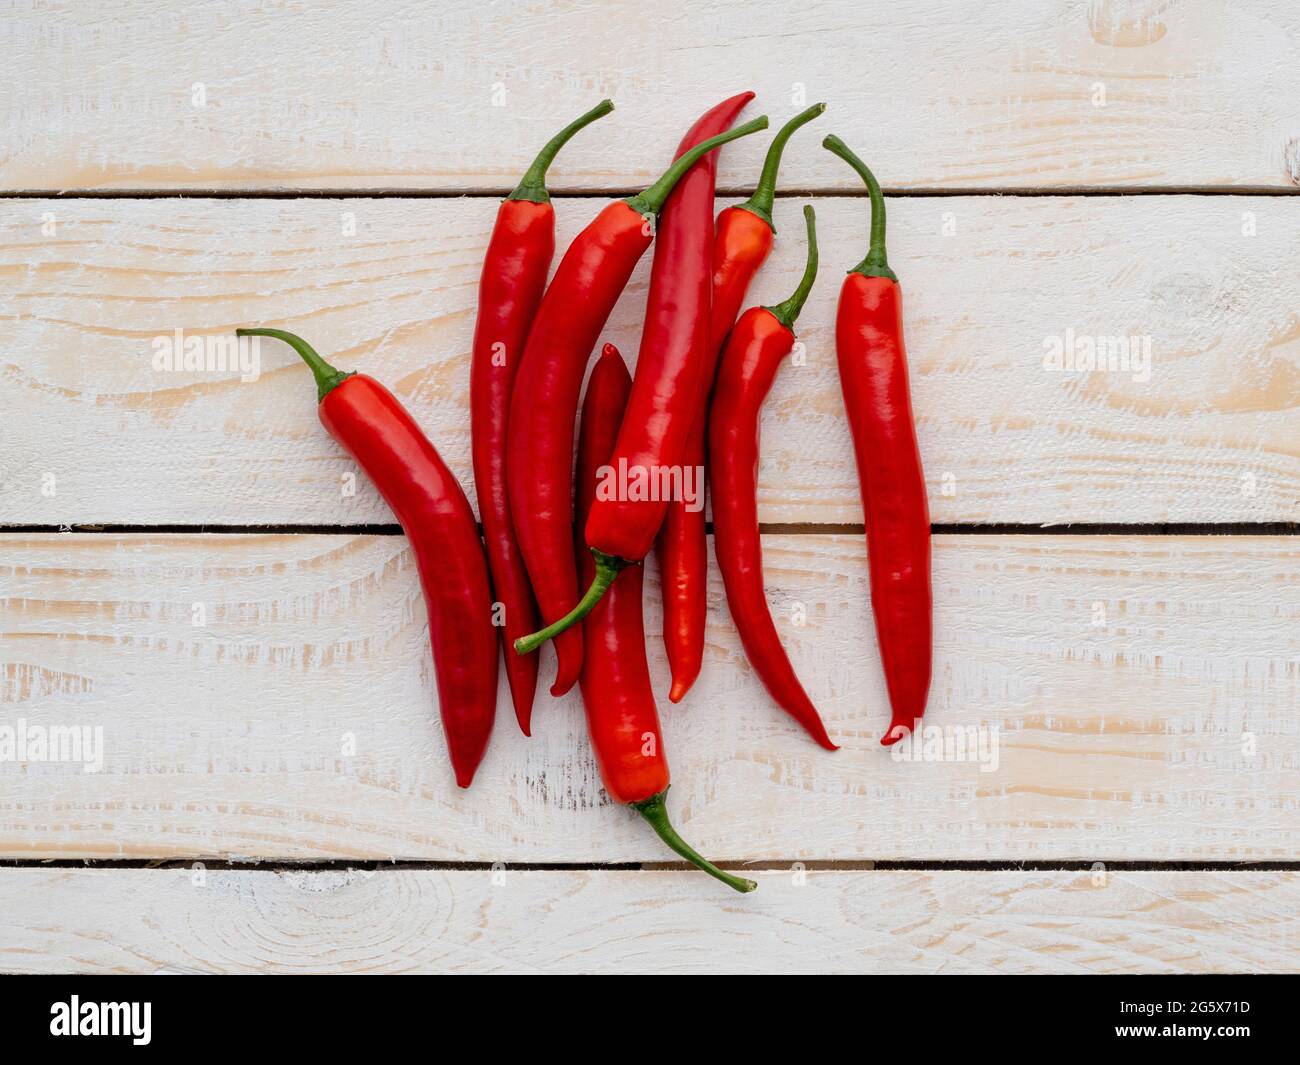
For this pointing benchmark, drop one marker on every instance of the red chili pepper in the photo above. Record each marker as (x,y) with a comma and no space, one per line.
(758,343)
(539,457)
(647,459)
(510,288)
(745,234)
(363,416)
(743,240)
(873,377)
(620,704)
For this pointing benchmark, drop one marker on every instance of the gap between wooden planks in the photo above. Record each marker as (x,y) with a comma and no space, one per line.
(1176,82)
(1143,691)
(198,921)
(1211,436)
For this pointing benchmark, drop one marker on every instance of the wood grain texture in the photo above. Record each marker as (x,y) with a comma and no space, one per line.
(422,95)
(92,432)
(1142,692)
(271,696)
(400,921)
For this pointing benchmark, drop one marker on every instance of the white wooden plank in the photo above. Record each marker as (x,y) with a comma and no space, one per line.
(400,921)
(92,432)
(938,92)
(1142,691)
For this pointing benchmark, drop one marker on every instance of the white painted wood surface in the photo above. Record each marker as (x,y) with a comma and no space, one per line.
(1143,691)
(1210,435)
(942,93)
(270,696)
(402,921)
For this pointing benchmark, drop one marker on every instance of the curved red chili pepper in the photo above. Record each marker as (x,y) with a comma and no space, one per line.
(621,714)
(509,290)
(758,343)
(363,416)
(539,456)
(873,377)
(679,306)
(741,244)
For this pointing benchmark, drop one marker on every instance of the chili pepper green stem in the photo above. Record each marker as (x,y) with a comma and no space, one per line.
(651,201)
(875,264)
(533,185)
(327,377)
(787,312)
(764,197)
(607,568)
(654,811)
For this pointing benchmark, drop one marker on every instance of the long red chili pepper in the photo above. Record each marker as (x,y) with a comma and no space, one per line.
(620,704)
(678,317)
(651,442)
(363,416)
(741,244)
(539,457)
(873,377)
(758,343)
(509,290)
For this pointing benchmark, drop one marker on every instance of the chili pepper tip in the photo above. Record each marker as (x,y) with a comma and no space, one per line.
(896,732)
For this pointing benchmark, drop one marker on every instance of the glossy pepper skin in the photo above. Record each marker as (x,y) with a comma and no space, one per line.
(623,525)
(539,451)
(678,318)
(363,416)
(873,378)
(758,343)
(622,718)
(744,236)
(741,244)
(510,288)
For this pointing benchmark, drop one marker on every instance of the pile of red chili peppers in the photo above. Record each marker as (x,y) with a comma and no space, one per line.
(646,442)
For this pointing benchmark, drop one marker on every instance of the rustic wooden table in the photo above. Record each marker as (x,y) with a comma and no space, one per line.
(1116,572)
